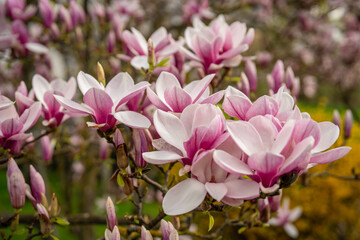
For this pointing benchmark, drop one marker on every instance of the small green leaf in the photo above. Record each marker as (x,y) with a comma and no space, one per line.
(162,63)
(211,222)
(121,200)
(120,181)
(62,221)
(241,230)
(55,238)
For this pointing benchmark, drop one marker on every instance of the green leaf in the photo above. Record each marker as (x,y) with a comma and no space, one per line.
(120,181)
(211,222)
(61,221)
(162,63)
(241,230)
(55,238)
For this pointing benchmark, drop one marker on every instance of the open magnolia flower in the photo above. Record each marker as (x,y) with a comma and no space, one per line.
(208,178)
(106,105)
(170,96)
(217,45)
(164,46)
(53,113)
(200,127)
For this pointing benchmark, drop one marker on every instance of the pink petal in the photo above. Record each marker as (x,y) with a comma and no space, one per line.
(242,189)
(283,137)
(184,197)
(266,165)
(329,133)
(11,127)
(158,36)
(118,86)
(236,106)
(5,102)
(216,190)
(40,86)
(73,107)
(177,98)
(299,156)
(165,81)
(70,88)
(133,119)
(246,137)
(330,156)
(140,62)
(200,86)
(161,157)
(231,163)
(100,102)
(267,130)
(262,106)
(214,98)
(130,93)
(233,52)
(86,82)
(30,116)
(170,128)
(154,99)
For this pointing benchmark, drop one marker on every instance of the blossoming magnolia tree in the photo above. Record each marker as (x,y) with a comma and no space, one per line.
(188,144)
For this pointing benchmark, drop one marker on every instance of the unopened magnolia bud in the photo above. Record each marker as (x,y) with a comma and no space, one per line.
(348,123)
(37,184)
(122,159)
(336,118)
(15,184)
(278,75)
(168,231)
(250,71)
(289,78)
(101,74)
(110,214)
(274,202)
(151,52)
(244,85)
(111,41)
(128,185)
(118,138)
(112,235)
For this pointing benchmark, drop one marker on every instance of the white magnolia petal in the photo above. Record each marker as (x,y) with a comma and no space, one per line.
(160,157)
(184,197)
(133,119)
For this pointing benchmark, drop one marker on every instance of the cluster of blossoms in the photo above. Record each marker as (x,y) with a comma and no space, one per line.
(232,149)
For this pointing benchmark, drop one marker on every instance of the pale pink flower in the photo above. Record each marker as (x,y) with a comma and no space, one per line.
(53,112)
(106,105)
(195,9)
(168,231)
(217,45)
(200,127)
(48,15)
(112,235)
(17,9)
(164,46)
(145,234)
(47,146)
(111,214)
(170,96)
(286,217)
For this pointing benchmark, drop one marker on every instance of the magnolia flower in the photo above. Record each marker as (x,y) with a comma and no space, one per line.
(194,9)
(13,126)
(111,214)
(208,178)
(15,184)
(128,8)
(170,96)
(164,46)
(336,118)
(44,91)
(217,45)
(16,9)
(47,14)
(47,146)
(77,13)
(285,217)
(36,191)
(200,127)
(106,104)
(251,74)
(112,235)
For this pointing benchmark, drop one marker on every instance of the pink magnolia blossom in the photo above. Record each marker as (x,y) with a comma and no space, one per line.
(77,13)
(336,119)
(106,105)
(16,9)
(112,235)
(47,146)
(13,126)
(164,46)
(128,8)
(200,127)
(208,178)
(217,45)
(53,112)
(36,191)
(251,74)
(170,96)
(111,214)
(286,217)
(15,184)
(193,9)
